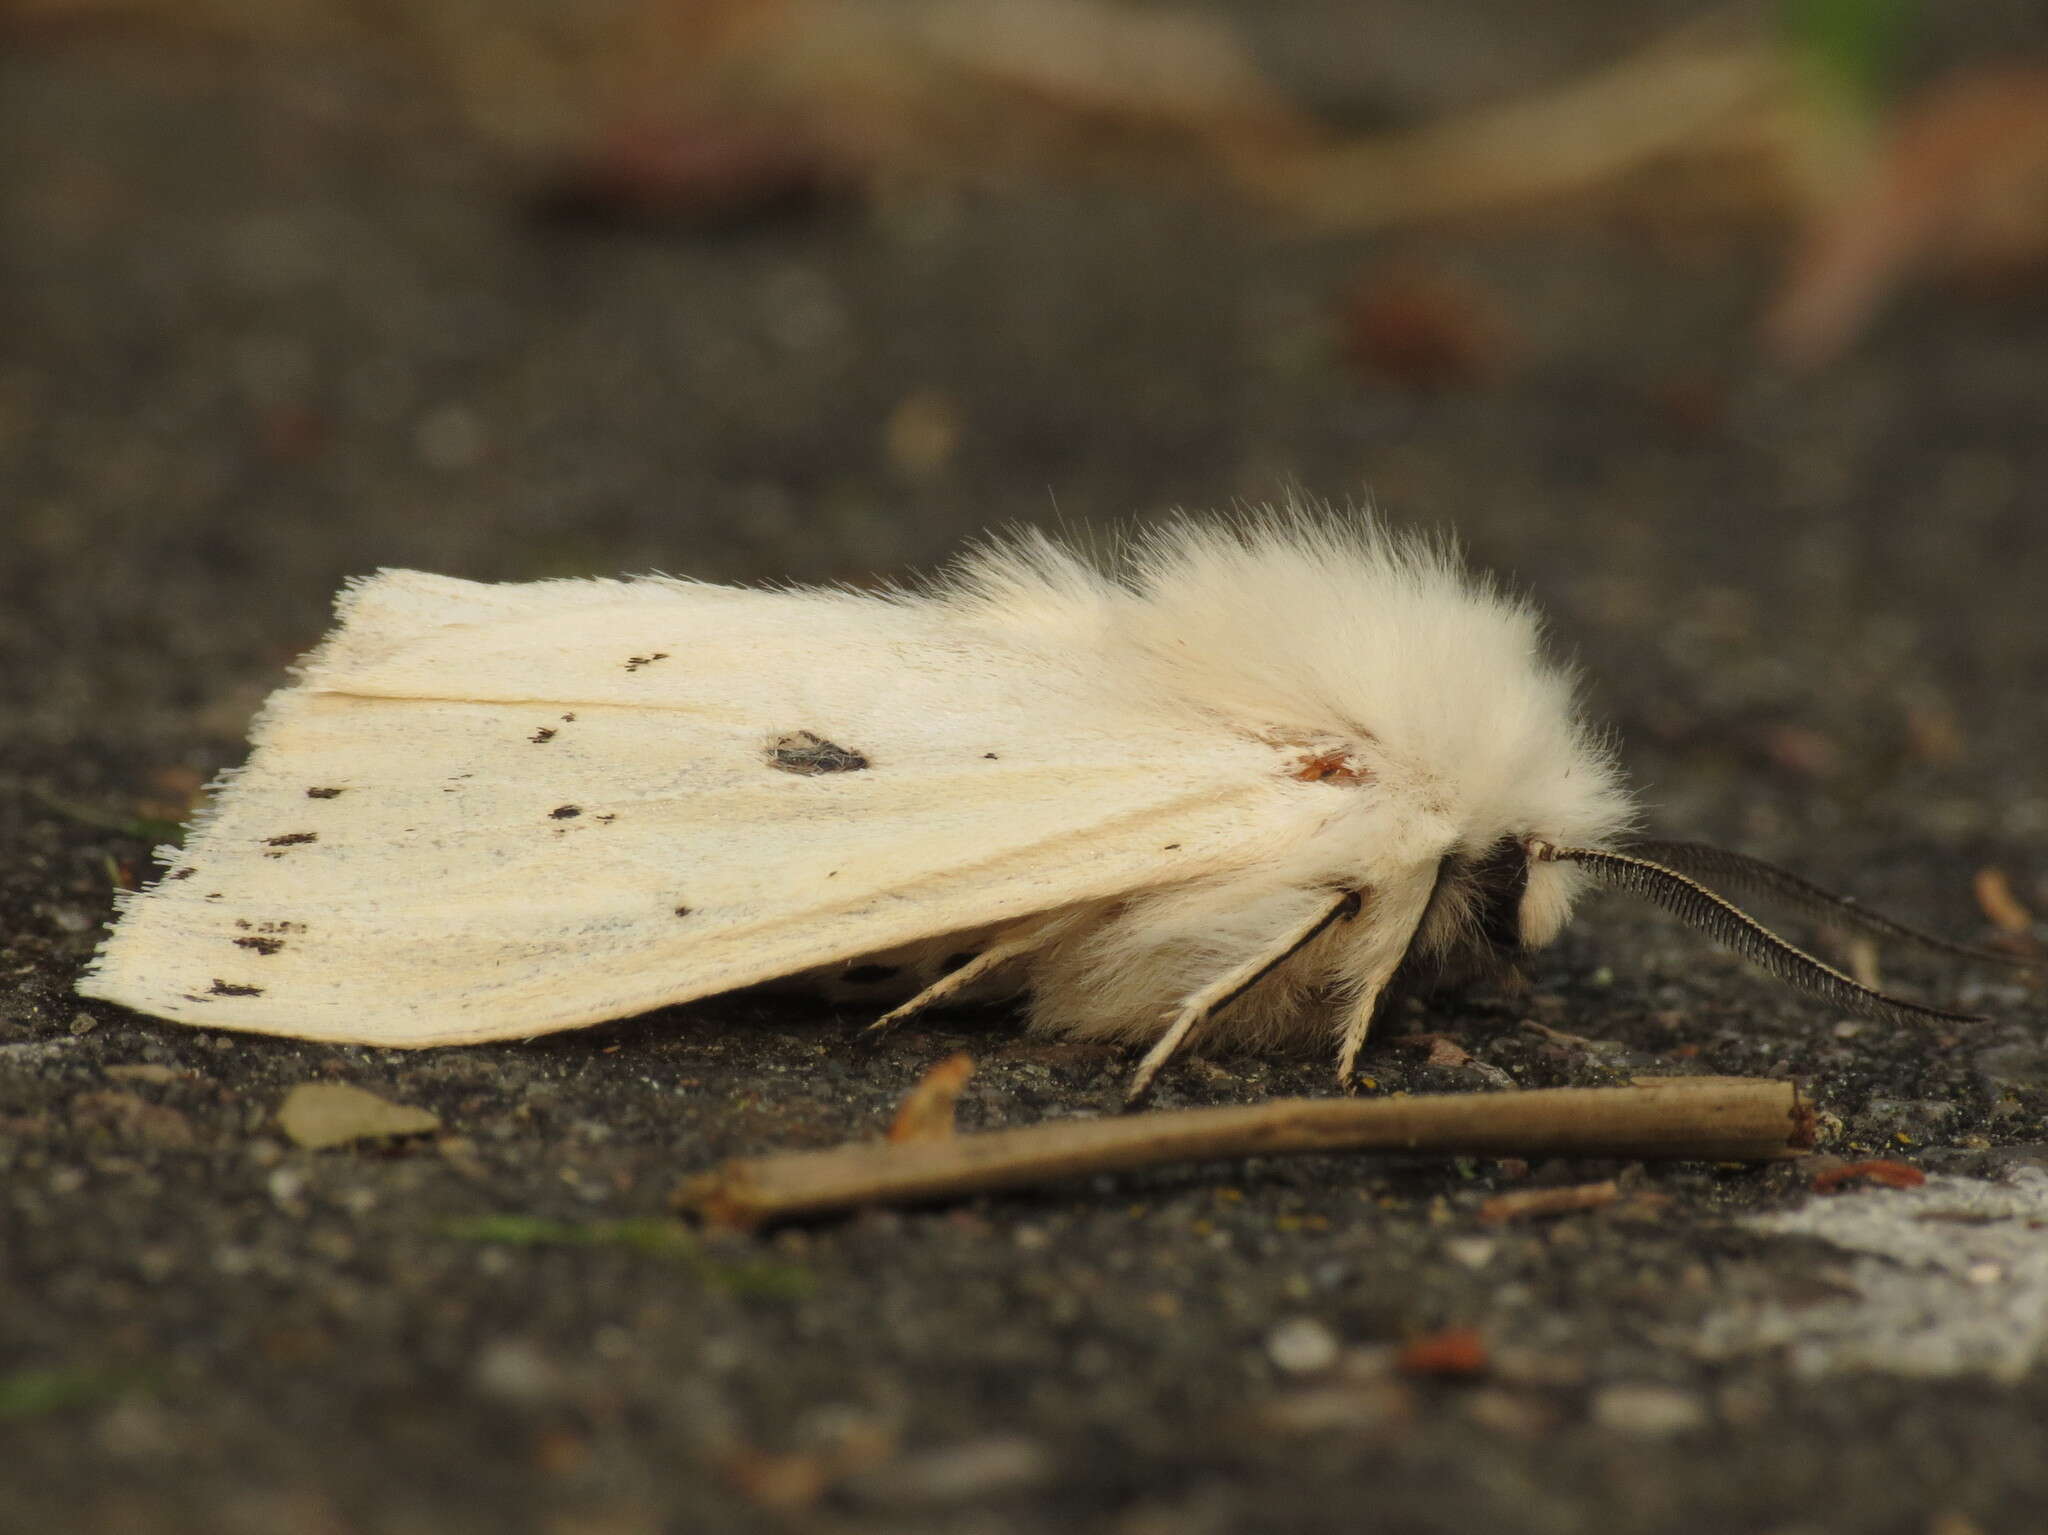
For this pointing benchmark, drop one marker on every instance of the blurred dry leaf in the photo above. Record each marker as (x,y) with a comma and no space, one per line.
(926,1113)
(1687,98)
(1424,330)
(713,111)
(722,103)
(1962,185)
(713,108)
(2000,906)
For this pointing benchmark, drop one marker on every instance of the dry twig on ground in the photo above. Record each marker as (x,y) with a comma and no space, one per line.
(1709,1118)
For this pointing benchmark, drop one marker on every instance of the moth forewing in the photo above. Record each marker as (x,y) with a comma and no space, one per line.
(600,820)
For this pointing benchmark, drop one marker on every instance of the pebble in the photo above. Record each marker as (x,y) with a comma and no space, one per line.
(513,1370)
(1302,1346)
(1651,1412)
(1471,1252)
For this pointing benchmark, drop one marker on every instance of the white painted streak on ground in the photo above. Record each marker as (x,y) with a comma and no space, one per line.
(1949,1279)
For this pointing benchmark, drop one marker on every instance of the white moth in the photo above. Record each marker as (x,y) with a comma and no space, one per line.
(1227,791)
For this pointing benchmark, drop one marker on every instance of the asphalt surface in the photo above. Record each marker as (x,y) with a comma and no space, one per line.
(247,351)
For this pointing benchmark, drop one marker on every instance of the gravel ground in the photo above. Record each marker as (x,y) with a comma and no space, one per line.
(246,351)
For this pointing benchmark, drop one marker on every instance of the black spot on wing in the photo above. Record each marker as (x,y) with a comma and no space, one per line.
(275,846)
(542,736)
(325,793)
(260,945)
(566,812)
(634,663)
(222,988)
(810,755)
(185,873)
(682,911)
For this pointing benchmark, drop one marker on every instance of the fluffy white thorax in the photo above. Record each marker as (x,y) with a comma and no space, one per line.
(1299,625)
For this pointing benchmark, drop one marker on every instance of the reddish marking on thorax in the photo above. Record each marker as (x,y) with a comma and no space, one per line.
(1331,767)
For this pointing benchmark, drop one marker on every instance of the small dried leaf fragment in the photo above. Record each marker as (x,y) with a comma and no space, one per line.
(1453,1351)
(1999,905)
(1525,1203)
(317,1115)
(1891,1175)
(926,1113)
(1442,1049)
(1426,331)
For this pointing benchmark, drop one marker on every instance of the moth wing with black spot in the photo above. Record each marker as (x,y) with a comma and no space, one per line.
(493,811)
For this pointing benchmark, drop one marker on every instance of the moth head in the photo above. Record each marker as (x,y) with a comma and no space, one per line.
(1489,904)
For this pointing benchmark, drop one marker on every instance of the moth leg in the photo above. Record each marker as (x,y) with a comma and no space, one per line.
(1225,989)
(1022,941)
(1379,973)
(1356,1024)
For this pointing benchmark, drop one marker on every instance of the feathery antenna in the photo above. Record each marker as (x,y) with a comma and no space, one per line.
(1728,924)
(1738,871)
